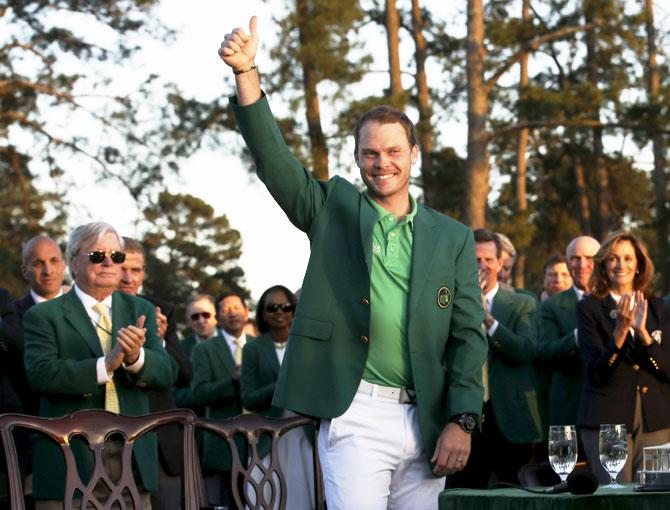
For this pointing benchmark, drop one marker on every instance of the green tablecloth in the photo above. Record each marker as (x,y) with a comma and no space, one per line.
(516,499)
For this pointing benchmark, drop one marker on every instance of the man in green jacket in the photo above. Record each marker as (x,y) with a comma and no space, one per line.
(93,348)
(557,334)
(386,343)
(512,417)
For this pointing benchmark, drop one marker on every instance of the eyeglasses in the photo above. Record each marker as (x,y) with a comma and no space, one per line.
(196,316)
(98,256)
(274,308)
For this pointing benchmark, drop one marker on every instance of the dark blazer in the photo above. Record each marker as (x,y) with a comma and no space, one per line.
(23,305)
(328,346)
(11,355)
(557,350)
(214,386)
(61,350)
(169,438)
(613,375)
(17,373)
(513,380)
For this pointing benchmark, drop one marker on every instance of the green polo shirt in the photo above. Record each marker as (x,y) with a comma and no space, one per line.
(388,357)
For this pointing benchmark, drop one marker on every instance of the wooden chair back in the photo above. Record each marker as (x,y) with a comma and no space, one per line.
(95,426)
(252,427)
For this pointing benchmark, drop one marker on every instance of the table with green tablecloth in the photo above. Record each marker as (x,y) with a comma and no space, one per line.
(516,499)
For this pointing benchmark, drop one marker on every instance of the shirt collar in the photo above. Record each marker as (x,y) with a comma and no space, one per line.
(232,339)
(490,295)
(383,213)
(40,299)
(580,293)
(89,301)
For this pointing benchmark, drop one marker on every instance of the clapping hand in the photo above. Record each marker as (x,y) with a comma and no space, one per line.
(161,322)
(131,338)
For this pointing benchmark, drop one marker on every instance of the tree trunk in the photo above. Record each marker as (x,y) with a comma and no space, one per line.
(603,220)
(521,162)
(659,177)
(317,140)
(424,127)
(582,194)
(393,43)
(477,164)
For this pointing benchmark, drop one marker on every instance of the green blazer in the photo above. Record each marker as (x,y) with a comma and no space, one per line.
(260,368)
(188,344)
(61,351)
(513,380)
(214,386)
(328,346)
(556,348)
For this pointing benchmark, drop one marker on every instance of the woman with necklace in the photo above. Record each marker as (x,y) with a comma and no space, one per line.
(624,342)
(261,360)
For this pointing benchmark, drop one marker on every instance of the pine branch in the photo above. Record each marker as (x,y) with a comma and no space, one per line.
(534,45)
(579,123)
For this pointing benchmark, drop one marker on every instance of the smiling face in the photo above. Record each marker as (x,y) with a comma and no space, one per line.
(44,268)
(385,158)
(488,263)
(98,280)
(233,315)
(279,319)
(621,265)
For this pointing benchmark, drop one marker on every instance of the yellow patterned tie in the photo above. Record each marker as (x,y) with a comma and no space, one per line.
(238,351)
(104,330)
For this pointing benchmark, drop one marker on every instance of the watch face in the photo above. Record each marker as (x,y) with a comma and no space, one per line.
(469,423)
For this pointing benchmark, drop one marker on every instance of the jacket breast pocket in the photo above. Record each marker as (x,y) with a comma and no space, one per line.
(312,328)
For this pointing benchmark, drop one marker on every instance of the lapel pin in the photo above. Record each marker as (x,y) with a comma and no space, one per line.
(613,314)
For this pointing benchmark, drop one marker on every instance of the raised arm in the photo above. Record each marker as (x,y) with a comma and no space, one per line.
(238,50)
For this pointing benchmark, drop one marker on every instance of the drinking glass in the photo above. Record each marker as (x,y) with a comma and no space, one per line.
(562,449)
(613,451)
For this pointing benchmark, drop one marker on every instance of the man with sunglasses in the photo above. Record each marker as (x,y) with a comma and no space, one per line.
(386,344)
(94,348)
(216,376)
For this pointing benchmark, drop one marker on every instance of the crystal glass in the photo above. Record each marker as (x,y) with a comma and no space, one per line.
(562,449)
(613,451)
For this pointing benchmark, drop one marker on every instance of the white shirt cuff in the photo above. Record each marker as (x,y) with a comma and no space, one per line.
(491,331)
(101,371)
(137,366)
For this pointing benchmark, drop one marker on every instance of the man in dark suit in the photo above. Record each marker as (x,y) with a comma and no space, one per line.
(11,348)
(94,348)
(43,267)
(387,332)
(133,271)
(215,385)
(556,325)
(512,414)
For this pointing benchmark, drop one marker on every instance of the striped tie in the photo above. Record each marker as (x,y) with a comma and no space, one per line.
(104,330)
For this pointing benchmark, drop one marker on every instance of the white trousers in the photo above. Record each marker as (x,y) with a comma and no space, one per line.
(373,458)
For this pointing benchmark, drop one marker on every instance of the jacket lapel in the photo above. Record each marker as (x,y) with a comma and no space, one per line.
(367,218)
(268,349)
(224,353)
(425,238)
(122,315)
(75,314)
(502,306)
